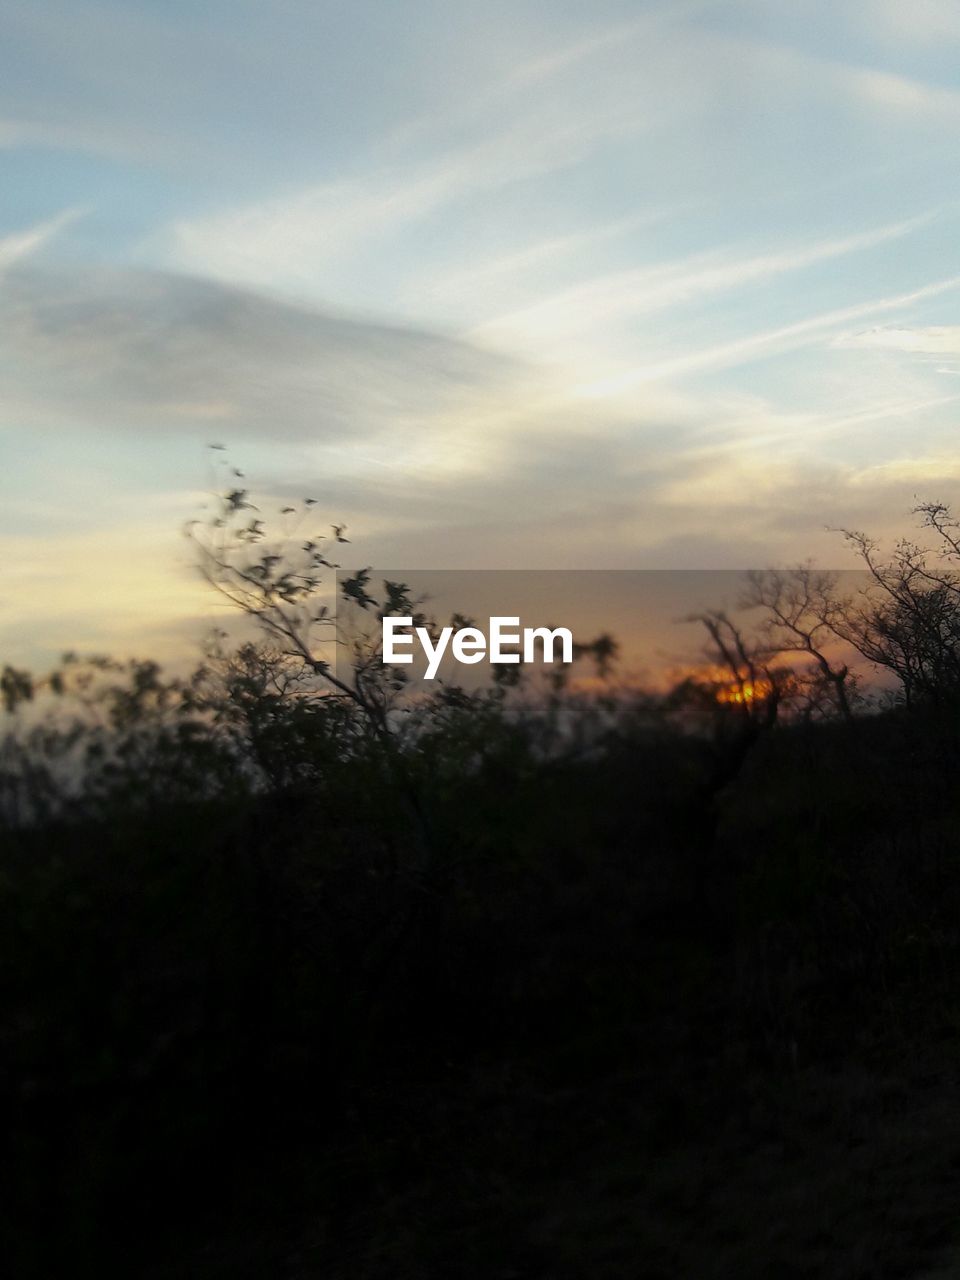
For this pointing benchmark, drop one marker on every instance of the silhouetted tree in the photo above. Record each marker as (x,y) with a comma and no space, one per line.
(906,620)
(801,615)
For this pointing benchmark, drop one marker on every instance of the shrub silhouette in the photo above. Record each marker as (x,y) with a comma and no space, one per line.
(309,980)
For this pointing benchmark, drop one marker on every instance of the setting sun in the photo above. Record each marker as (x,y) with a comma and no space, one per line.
(744,691)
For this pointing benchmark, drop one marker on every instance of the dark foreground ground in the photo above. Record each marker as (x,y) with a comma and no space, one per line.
(568,1020)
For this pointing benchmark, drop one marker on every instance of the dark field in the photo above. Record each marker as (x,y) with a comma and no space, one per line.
(486,1010)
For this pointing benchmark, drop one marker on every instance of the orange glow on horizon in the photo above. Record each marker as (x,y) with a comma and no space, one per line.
(745,691)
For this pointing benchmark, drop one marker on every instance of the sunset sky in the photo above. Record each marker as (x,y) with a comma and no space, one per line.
(501,284)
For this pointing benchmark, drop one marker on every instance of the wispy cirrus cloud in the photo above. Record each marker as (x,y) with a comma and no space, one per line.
(920,340)
(658,287)
(900,93)
(885,88)
(815,329)
(287,242)
(19,245)
(491,273)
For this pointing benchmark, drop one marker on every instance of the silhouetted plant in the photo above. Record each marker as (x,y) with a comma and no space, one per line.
(801,615)
(907,620)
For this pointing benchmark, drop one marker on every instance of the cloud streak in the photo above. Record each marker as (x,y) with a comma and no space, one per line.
(921,340)
(287,241)
(140,350)
(759,346)
(23,244)
(647,290)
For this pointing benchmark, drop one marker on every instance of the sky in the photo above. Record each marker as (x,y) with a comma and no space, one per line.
(513,284)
